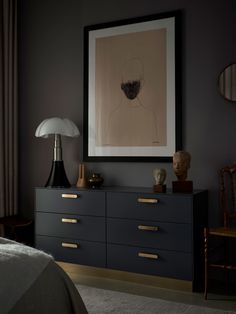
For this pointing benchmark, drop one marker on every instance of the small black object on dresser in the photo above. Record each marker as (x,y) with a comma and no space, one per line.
(128,229)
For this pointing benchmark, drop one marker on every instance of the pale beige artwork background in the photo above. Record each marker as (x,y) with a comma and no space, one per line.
(119,120)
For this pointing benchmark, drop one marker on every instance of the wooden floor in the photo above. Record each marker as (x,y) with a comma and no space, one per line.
(220,297)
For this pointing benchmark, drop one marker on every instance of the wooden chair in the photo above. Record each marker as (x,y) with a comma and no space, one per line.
(227,177)
(17,228)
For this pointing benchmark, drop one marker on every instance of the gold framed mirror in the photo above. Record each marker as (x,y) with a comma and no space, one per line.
(227,82)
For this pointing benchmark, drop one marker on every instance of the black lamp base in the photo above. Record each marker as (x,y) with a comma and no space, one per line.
(57,177)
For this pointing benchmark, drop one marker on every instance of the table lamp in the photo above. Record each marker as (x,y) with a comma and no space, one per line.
(57,127)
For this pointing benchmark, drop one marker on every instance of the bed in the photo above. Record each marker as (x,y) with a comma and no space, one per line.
(32,283)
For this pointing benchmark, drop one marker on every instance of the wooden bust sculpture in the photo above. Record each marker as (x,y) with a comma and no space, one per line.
(159,177)
(181,164)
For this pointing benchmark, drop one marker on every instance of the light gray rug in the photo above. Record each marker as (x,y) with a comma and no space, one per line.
(100,301)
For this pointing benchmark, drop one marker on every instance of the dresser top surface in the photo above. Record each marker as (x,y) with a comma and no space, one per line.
(124,189)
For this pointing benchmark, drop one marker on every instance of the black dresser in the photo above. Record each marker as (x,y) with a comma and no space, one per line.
(128,229)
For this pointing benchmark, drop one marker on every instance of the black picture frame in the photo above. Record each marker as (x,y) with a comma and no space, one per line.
(105,52)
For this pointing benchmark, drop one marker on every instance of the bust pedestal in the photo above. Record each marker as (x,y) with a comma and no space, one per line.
(159,188)
(182,186)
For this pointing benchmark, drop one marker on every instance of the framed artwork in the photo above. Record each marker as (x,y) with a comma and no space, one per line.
(132,89)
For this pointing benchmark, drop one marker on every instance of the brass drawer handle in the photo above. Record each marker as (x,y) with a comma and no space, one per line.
(69,195)
(148,228)
(148,200)
(70,220)
(148,255)
(70,245)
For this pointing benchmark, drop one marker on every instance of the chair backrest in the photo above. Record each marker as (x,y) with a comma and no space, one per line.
(227,194)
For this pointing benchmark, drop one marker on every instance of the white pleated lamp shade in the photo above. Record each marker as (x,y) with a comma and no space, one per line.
(56,125)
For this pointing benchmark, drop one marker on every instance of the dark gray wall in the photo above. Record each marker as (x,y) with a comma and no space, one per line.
(51,84)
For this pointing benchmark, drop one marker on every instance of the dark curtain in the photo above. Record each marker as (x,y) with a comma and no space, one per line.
(8,109)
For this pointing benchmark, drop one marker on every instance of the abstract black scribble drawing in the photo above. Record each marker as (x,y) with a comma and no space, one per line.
(131,89)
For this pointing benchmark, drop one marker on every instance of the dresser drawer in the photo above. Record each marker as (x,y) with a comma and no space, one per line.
(71,201)
(150,261)
(169,208)
(70,226)
(73,251)
(169,236)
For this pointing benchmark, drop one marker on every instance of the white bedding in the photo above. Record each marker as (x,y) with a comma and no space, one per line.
(31,282)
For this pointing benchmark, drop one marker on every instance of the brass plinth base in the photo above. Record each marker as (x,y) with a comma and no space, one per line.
(79,272)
